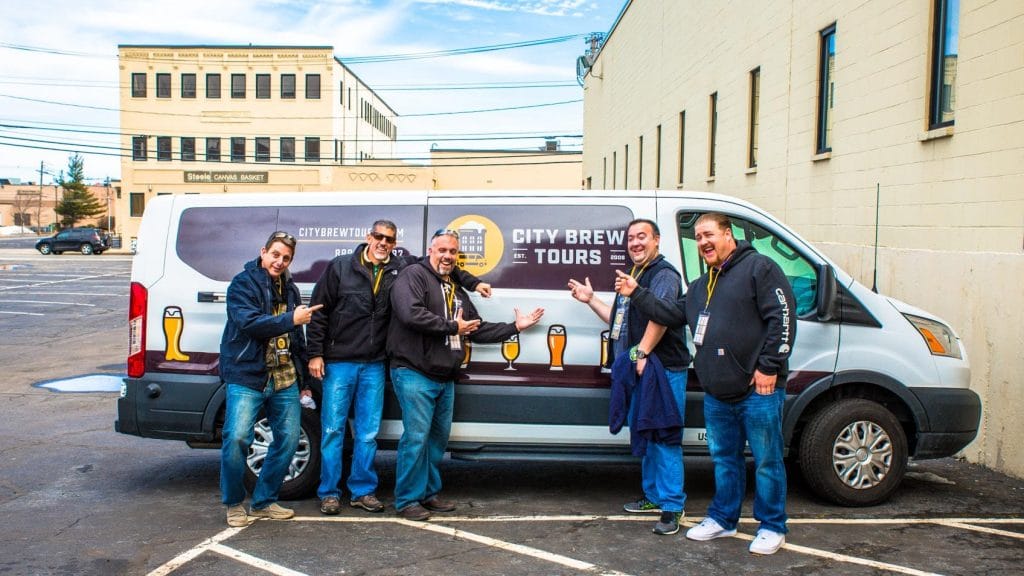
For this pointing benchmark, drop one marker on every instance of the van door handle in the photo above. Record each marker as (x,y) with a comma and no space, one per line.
(212,297)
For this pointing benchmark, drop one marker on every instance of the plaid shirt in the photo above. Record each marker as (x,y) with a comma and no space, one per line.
(282,374)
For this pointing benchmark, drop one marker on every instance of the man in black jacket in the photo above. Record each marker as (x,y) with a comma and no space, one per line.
(637,331)
(346,350)
(432,316)
(742,315)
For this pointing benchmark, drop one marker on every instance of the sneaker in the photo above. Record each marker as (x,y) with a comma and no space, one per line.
(437,504)
(642,506)
(275,512)
(668,524)
(708,529)
(767,542)
(330,505)
(237,517)
(414,512)
(368,502)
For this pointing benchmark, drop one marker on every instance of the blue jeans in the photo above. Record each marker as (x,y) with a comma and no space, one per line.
(662,466)
(345,383)
(427,422)
(243,406)
(756,419)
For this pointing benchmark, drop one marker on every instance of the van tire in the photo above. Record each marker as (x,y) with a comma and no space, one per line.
(306,459)
(853,453)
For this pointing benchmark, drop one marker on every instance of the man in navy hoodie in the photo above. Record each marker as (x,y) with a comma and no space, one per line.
(742,316)
(262,357)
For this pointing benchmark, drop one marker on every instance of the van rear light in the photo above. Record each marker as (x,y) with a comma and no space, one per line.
(137,301)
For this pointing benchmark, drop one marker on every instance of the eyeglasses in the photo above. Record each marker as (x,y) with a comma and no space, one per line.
(383,237)
(285,237)
(445,232)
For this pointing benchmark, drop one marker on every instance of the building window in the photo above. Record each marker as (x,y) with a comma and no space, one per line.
(657,157)
(238,149)
(640,164)
(163,85)
(349,97)
(945,48)
(615,169)
(138,85)
(755,103)
(263,149)
(826,88)
(341,92)
(213,85)
(188,149)
(604,173)
(213,149)
(288,86)
(238,85)
(188,85)
(287,149)
(625,168)
(712,132)
(262,86)
(312,149)
(137,203)
(312,86)
(682,145)
(139,148)
(163,148)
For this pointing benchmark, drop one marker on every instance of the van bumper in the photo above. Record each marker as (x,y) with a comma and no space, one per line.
(954,416)
(171,407)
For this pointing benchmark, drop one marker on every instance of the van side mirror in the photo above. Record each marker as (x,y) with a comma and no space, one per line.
(827,291)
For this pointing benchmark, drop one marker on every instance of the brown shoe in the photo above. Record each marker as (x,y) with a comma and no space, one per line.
(368,502)
(414,512)
(330,505)
(437,504)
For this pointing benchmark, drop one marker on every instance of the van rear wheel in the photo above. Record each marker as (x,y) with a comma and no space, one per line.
(304,472)
(853,452)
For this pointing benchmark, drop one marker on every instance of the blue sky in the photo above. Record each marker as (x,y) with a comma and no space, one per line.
(64,52)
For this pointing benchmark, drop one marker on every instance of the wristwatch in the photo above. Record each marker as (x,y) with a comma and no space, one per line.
(635,353)
(640,354)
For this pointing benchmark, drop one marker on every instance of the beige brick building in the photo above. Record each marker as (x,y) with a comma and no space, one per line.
(808,108)
(31,205)
(224,119)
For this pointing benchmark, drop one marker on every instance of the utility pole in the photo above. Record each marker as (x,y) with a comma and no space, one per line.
(41,194)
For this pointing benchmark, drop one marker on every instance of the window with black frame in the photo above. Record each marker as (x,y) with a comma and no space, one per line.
(826,88)
(945,49)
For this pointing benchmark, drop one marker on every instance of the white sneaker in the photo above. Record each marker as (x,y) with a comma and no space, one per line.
(767,542)
(708,529)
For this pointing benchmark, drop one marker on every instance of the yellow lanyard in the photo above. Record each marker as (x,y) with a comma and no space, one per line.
(642,268)
(450,298)
(712,282)
(378,273)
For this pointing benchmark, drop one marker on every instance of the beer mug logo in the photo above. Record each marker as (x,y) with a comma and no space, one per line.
(174,325)
(510,350)
(604,350)
(556,346)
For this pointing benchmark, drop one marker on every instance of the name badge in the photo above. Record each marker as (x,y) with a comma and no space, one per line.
(620,317)
(455,342)
(702,327)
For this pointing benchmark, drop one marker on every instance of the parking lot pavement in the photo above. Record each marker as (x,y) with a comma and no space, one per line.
(78,498)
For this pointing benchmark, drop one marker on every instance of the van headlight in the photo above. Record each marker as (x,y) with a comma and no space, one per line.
(940,338)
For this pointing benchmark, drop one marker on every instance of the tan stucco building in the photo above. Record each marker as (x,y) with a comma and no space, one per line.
(31,205)
(224,119)
(808,108)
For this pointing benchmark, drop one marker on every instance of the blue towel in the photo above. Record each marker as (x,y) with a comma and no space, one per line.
(656,416)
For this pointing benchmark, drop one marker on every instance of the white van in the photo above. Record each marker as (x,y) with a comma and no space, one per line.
(873,381)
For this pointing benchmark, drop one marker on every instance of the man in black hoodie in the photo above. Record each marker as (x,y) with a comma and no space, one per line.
(742,316)
(432,316)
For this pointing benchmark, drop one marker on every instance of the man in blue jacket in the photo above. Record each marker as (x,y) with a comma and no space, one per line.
(742,315)
(262,356)
(638,331)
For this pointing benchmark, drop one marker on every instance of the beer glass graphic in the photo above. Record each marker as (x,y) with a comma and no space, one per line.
(467,351)
(510,350)
(605,335)
(556,346)
(174,324)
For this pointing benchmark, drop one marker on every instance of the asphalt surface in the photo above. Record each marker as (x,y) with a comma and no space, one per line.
(78,498)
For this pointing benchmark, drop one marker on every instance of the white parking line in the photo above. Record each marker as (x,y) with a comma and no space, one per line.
(186,556)
(254,561)
(52,282)
(44,302)
(22,313)
(983,529)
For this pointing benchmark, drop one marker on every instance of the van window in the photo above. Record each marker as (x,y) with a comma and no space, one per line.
(801,273)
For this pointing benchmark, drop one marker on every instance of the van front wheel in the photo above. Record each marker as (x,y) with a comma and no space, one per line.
(853,452)
(304,472)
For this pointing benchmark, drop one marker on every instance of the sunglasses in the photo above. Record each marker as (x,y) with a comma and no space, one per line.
(383,237)
(445,232)
(285,237)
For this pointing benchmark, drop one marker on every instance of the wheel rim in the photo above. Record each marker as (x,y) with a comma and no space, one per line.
(862,455)
(45,248)
(86,249)
(261,441)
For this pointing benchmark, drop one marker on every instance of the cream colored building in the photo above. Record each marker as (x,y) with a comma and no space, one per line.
(29,204)
(807,108)
(223,119)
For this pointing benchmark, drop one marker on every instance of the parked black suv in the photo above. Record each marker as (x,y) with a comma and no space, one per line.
(84,240)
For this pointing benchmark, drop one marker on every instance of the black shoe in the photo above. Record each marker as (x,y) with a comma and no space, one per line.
(437,504)
(414,512)
(668,524)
